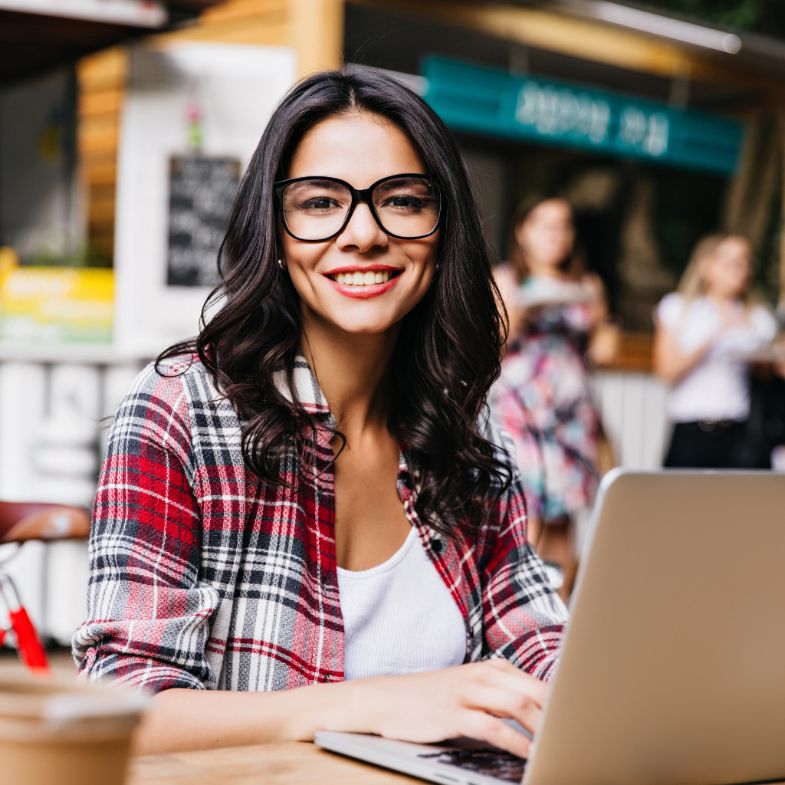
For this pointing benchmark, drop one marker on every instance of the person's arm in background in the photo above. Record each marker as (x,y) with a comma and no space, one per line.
(604,334)
(670,363)
(598,301)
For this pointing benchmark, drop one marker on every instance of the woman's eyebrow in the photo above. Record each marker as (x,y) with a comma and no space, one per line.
(322,182)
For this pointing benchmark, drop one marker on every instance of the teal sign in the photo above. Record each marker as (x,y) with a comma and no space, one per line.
(486,100)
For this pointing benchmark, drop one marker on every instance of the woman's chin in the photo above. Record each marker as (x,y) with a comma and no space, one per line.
(341,324)
(365,329)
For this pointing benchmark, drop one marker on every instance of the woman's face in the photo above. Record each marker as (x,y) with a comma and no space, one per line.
(547,235)
(726,272)
(360,148)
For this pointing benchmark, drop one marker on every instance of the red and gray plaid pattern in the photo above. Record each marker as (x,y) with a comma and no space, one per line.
(202,577)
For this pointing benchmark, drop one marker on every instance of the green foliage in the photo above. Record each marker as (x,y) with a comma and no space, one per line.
(86,256)
(740,14)
(686,207)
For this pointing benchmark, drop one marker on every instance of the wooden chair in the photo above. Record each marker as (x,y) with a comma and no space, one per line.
(21,522)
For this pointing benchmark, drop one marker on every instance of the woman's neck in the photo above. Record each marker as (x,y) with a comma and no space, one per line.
(351,371)
(722,299)
(544,270)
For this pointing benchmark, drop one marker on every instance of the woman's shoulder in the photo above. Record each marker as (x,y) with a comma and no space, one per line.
(506,279)
(670,308)
(173,380)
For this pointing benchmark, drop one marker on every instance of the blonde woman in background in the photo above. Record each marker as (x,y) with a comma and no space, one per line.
(706,333)
(542,398)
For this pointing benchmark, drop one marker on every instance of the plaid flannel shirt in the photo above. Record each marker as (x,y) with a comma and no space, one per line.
(201,576)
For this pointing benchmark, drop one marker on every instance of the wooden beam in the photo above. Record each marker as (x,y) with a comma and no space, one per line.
(260,30)
(316,34)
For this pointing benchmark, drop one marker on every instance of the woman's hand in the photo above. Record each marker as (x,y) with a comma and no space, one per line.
(466,700)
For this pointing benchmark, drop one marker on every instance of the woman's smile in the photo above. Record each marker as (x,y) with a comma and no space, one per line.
(363,282)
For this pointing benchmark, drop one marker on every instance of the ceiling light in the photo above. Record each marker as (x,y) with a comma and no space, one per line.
(667,27)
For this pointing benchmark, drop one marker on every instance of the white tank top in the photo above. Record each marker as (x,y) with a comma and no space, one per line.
(399,616)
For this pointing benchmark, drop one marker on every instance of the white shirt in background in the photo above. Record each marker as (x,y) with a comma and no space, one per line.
(399,616)
(717,388)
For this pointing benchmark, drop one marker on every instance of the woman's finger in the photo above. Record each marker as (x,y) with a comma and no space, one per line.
(505,675)
(494,731)
(503,703)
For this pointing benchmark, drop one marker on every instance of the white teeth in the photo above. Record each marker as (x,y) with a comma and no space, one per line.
(368,278)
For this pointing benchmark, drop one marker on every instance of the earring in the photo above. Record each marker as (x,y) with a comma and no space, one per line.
(281,264)
(437,267)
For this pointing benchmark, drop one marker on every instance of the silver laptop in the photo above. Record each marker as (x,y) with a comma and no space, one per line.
(672,671)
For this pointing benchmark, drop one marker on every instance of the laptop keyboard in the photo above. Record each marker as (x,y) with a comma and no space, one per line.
(483,760)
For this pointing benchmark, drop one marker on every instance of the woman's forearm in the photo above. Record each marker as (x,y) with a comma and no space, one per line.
(463,700)
(182,719)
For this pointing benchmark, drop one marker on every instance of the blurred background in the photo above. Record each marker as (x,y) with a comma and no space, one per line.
(126,124)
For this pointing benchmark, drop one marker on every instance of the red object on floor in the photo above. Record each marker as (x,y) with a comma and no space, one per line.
(30,649)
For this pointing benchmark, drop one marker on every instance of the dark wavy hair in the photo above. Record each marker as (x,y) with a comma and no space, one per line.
(449,346)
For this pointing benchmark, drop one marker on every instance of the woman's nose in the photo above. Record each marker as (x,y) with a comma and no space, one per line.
(362,233)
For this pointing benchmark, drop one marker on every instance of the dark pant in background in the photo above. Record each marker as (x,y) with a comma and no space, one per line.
(706,445)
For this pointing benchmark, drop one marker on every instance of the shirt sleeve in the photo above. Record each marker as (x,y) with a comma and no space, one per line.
(668,310)
(148,616)
(523,617)
(764,323)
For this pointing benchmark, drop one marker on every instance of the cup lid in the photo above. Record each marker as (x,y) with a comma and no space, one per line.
(59,700)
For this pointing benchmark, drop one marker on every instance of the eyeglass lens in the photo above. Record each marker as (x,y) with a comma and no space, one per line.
(316,209)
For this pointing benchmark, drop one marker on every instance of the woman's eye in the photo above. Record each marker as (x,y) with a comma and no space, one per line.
(319,203)
(403,202)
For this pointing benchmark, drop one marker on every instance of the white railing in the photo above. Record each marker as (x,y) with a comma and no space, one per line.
(52,432)
(632,406)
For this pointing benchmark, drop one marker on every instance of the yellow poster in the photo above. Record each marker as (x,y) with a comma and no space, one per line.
(54,304)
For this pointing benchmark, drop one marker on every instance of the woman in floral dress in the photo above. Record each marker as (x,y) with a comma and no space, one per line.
(542,398)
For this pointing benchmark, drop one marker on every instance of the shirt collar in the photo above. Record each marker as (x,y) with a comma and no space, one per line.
(306,389)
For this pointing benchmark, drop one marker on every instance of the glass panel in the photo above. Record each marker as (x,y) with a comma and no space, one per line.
(407,206)
(314,209)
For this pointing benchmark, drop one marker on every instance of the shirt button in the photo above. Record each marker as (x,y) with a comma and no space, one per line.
(437,545)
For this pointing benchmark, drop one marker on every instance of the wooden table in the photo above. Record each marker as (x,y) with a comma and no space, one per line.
(291,763)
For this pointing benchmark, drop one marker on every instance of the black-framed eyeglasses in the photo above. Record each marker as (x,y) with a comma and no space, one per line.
(315,209)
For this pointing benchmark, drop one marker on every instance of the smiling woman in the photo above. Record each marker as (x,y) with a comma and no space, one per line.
(305,510)
(388,226)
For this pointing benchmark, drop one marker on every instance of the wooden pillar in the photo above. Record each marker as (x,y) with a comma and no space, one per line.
(101,85)
(781,135)
(781,293)
(316,34)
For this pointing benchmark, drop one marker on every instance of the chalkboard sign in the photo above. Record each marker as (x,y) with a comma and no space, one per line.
(201,192)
